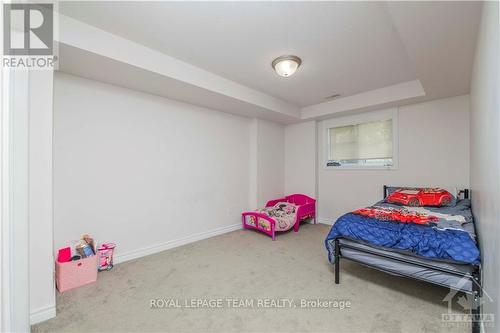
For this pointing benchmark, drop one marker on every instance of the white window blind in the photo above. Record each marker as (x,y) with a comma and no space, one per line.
(369,143)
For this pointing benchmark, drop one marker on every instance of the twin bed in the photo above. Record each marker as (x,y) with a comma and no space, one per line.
(433,244)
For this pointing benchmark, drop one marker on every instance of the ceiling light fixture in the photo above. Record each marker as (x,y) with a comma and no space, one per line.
(286,65)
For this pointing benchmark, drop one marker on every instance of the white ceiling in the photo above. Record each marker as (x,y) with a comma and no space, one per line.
(347,48)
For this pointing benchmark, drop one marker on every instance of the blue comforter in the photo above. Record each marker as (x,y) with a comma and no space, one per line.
(456,244)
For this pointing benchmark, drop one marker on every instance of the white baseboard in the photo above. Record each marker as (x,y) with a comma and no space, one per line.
(122,257)
(326,221)
(42,314)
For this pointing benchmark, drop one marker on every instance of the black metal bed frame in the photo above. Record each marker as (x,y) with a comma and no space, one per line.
(474,276)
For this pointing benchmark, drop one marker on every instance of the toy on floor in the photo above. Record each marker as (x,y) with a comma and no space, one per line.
(106,256)
(281,214)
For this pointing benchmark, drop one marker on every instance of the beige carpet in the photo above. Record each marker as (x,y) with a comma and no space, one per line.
(248,265)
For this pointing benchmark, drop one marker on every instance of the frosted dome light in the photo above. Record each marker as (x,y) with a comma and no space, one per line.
(286,65)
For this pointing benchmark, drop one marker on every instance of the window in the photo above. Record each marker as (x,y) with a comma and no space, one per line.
(362,141)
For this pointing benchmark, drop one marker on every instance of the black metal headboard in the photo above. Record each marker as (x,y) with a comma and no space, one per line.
(464,191)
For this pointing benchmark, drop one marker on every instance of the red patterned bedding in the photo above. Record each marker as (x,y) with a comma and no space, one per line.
(402,215)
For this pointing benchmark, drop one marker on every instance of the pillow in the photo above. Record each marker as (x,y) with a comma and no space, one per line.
(421,196)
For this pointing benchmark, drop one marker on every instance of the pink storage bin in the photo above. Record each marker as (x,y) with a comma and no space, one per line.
(73,274)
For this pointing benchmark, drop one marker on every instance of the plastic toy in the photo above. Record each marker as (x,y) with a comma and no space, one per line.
(106,256)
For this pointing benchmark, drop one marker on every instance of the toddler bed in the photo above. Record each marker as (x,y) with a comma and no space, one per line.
(425,234)
(281,214)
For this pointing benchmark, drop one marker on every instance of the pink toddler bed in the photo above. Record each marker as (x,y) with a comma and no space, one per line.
(281,214)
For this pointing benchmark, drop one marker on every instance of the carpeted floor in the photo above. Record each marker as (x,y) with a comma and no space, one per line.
(248,266)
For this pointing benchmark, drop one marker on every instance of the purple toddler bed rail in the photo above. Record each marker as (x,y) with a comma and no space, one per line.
(306,208)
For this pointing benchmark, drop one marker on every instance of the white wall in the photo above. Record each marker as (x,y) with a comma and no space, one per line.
(433,150)
(300,158)
(485,152)
(144,171)
(42,291)
(270,164)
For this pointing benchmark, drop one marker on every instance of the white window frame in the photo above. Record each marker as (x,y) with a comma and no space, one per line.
(380,115)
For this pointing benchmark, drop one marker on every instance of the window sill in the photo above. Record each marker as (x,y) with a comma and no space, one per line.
(381,168)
